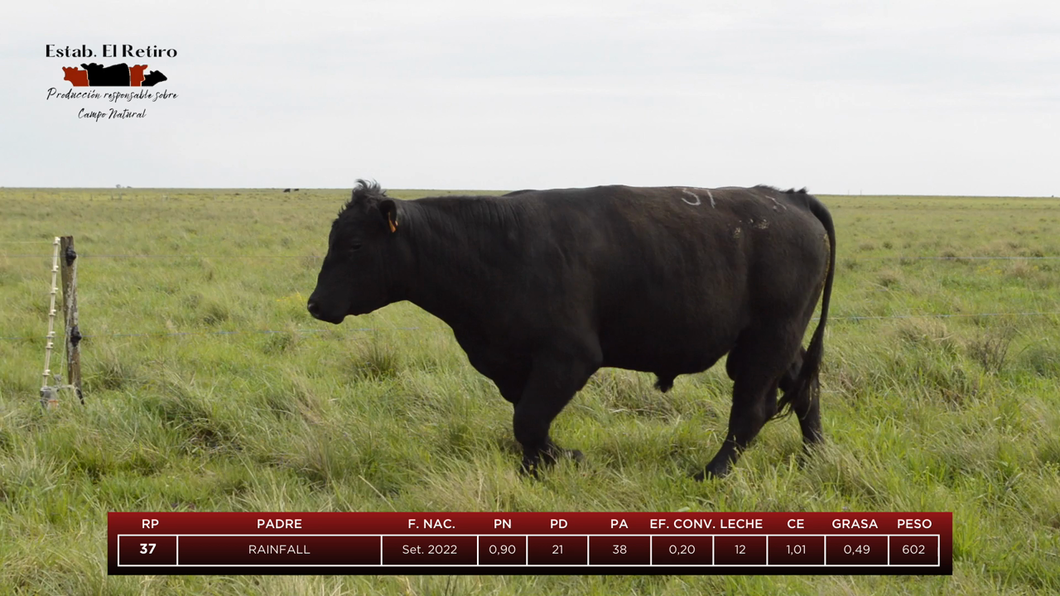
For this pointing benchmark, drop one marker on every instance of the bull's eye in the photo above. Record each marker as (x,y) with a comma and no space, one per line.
(355,246)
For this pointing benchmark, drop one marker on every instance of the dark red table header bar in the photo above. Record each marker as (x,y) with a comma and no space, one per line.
(478,523)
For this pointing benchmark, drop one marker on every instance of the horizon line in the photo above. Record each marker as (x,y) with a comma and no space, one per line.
(480,190)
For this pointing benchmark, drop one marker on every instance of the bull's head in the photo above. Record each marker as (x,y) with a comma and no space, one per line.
(358,272)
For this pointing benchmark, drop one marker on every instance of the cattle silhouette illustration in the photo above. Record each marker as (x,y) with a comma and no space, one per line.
(107,76)
(116,75)
(76,76)
(136,75)
(153,77)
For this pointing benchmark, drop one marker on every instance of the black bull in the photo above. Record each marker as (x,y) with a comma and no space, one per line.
(542,288)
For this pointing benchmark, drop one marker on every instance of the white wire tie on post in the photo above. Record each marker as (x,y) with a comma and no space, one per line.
(49,396)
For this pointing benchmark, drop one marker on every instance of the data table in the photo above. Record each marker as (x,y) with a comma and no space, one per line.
(530,543)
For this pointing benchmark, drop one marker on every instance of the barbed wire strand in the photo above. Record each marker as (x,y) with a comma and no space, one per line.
(222,332)
(92,256)
(946,316)
(208,256)
(986,258)
(376,329)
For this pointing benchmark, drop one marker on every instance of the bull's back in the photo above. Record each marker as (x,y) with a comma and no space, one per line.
(668,277)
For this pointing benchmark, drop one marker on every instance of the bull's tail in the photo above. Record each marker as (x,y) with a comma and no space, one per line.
(805,388)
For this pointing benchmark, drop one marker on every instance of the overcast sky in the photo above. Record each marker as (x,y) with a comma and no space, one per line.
(896,97)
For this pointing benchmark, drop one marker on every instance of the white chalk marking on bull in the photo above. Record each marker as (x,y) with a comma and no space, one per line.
(712,204)
(694,196)
(775,202)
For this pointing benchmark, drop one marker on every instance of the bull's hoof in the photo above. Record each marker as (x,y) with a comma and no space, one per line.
(575,455)
(664,383)
(704,475)
(546,459)
(529,469)
(813,439)
(809,451)
(556,454)
(712,471)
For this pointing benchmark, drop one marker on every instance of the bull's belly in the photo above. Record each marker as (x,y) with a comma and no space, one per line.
(666,353)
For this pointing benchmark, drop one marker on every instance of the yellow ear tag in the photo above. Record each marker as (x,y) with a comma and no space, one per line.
(390,220)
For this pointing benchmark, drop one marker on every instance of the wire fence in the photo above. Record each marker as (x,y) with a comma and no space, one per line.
(88,255)
(370,329)
(184,256)
(25,241)
(948,258)
(88,336)
(945,316)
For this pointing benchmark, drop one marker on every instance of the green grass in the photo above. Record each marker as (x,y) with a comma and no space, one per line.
(383,413)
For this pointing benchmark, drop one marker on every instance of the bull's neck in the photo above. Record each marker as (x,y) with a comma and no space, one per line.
(449,275)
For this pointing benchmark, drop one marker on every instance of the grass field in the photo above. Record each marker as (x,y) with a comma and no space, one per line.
(921,412)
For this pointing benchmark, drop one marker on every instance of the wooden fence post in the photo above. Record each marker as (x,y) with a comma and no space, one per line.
(68,269)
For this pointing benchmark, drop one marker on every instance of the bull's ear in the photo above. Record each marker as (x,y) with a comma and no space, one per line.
(388,208)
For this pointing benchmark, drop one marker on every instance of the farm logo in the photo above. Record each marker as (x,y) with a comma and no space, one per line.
(118,75)
(92,74)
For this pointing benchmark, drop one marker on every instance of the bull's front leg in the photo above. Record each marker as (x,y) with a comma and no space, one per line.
(552,383)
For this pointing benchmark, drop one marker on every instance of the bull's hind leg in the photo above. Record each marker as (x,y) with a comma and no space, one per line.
(755,365)
(808,410)
(806,404)
(752,405)
(552,383)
